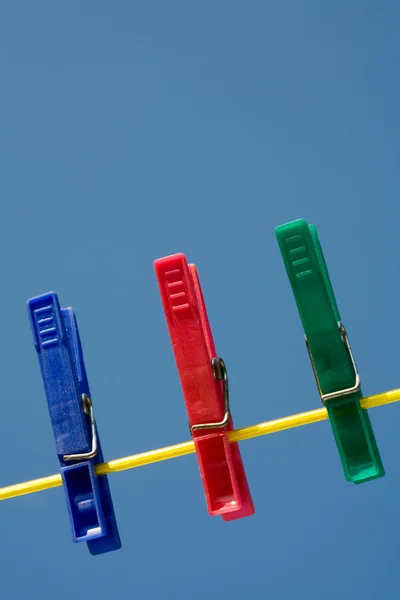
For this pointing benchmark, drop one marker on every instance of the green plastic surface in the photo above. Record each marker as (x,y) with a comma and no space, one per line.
(319,313)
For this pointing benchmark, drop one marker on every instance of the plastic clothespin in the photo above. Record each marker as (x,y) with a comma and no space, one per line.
(88,497)
(204,382)
(330,352)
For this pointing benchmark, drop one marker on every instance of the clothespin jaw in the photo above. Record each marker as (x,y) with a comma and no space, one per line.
(89,503)
(330,352)
(204,382)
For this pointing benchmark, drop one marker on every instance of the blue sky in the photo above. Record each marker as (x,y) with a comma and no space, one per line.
(130,131)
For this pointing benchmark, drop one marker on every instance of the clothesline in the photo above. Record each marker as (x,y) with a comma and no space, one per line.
(160,454)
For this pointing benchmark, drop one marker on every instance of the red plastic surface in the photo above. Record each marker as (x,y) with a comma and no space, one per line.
(221,467)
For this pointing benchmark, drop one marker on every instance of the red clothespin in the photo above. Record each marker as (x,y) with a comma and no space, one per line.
(204,384)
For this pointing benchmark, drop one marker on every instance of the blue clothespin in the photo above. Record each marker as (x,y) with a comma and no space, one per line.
(88,497)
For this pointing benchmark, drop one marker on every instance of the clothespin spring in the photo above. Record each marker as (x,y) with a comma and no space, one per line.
(347,391)
(88,410)
(220,374)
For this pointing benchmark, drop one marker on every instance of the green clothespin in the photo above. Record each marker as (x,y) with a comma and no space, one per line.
(329,349)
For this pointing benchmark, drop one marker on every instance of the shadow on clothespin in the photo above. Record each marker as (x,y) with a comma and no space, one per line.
(330,352)
(88,497)
(204,382)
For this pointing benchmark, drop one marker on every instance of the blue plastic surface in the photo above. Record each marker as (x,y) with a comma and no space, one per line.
(59,349)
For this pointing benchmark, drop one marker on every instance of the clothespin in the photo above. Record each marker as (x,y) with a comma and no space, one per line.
(330,352)
(88,497)
(204,382)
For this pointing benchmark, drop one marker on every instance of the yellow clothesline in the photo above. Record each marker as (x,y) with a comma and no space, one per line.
(152,456)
